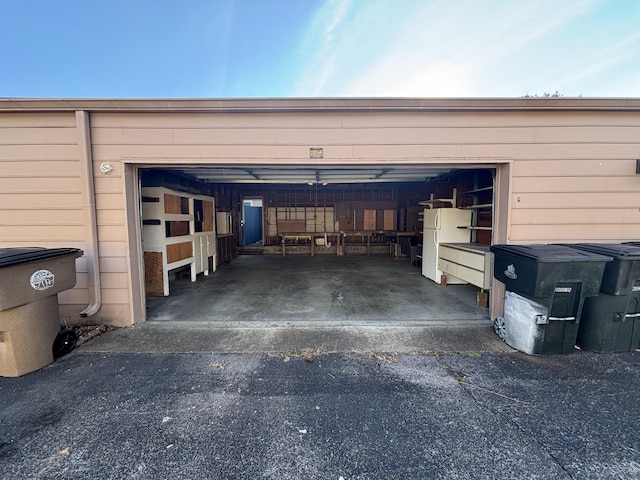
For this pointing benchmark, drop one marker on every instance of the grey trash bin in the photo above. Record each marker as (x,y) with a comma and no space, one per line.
(611,321)
(551,283)
(30,279)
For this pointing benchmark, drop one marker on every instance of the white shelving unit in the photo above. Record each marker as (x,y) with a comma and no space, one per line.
(178,231)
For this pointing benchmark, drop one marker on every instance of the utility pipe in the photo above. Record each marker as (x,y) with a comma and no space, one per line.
(89,208)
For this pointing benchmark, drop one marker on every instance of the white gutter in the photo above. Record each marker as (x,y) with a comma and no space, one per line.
(89,208)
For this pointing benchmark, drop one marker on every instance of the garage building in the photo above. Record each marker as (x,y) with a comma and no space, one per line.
(163,191)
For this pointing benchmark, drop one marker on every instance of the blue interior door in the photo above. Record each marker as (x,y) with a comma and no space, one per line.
(252,228)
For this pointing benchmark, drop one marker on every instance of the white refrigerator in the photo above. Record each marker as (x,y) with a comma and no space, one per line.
(442,225)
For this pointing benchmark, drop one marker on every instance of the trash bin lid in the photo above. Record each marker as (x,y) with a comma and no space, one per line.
(615,250)
(17,255)
(549,253)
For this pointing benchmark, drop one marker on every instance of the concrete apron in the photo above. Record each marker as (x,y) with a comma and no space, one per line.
(188,337)
(261,304)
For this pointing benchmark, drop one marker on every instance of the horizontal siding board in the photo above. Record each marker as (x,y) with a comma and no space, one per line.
(108,184)
(362,120)
(41,217)
(584,200)
(253,153)
(574,233)
(113,249)
(258,153)
(117,314)
(576,184)
(39,185)
(110,217)
(109,201)
(114,279)
(49,201)
(74,296)
(113,264)
(515,151)
(39,152)
(557,216)
(29,120)
(132,136)
(112,233)
(49,233)
(489,119)
(364,136)
(115,295)
(53,168)
(314,136)
(580,167)
(38,136)
(226,120)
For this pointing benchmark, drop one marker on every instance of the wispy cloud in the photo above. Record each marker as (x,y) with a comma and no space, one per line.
(321,46)
(441,48)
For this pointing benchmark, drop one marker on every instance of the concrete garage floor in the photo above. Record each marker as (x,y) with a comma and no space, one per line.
(264,290)
(258,304)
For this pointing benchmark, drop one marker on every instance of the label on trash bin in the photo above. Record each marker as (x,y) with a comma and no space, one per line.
(41,280)
(510,272)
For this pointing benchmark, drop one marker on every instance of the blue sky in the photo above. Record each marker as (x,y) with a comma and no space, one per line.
(315,48)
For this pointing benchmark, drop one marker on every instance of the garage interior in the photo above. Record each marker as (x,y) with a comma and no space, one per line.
(321,245)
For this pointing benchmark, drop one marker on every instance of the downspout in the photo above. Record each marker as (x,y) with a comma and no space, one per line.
(89,209)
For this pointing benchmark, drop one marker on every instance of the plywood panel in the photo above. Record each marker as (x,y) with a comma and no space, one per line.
(291,226)
(389,220)
(153,274)
(207,212)
(369,221)
(179,251)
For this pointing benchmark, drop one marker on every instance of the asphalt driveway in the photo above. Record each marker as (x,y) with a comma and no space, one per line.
(307,415)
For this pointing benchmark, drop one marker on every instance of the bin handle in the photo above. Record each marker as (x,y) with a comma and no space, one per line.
(569,319)
(632,315)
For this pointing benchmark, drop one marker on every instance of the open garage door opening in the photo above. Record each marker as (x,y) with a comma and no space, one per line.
(283,245)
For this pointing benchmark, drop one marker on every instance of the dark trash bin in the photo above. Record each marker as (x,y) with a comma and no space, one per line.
(610,322)
(30,279)
(548,285)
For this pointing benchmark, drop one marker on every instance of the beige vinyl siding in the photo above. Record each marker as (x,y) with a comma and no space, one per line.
(41,191)
(573,173)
